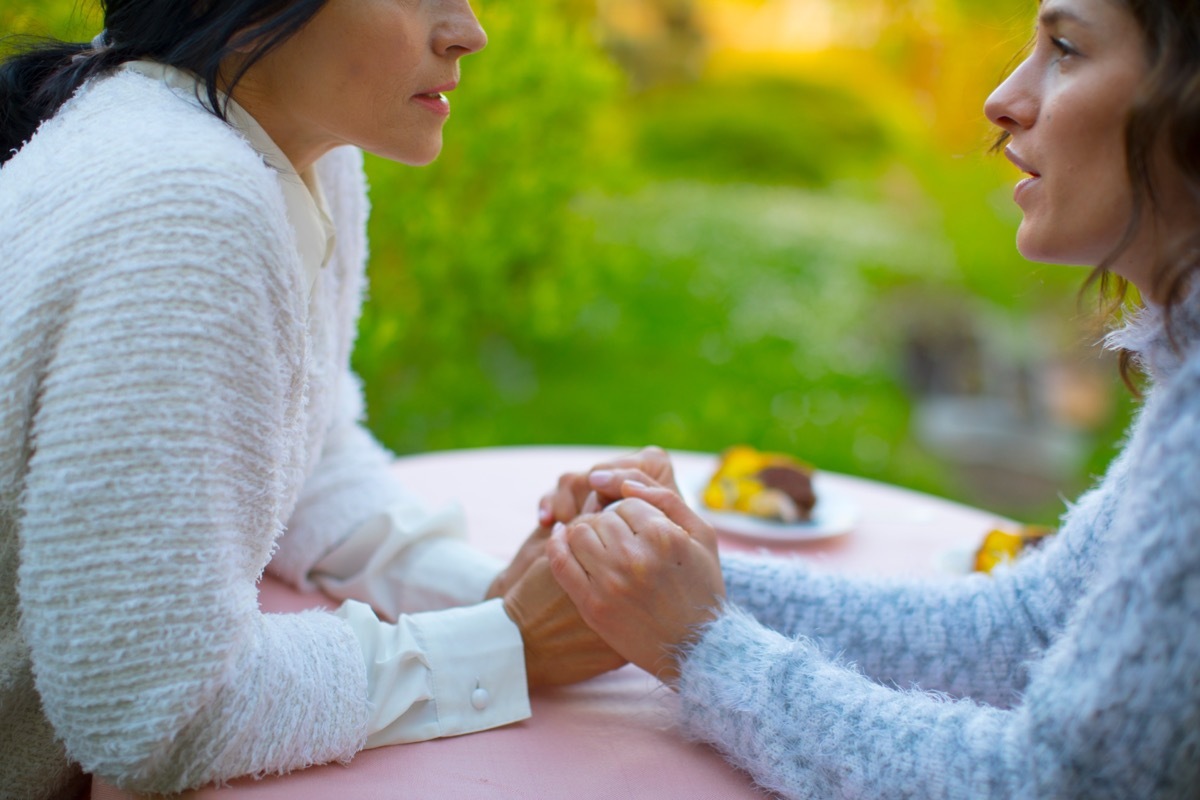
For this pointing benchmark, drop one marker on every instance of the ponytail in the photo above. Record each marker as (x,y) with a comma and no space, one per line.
(41,75)
(36,81)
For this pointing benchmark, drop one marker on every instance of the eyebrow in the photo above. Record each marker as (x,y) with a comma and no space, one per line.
(1053,16)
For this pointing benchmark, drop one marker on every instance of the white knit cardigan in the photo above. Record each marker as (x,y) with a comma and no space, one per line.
(170,401)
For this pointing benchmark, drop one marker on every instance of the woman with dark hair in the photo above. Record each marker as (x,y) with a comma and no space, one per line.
(1076,671)
(182,211)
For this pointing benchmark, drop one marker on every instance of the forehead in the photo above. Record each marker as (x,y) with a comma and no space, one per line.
(1082,12)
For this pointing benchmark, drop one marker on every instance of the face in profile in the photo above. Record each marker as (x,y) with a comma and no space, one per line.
(1065,108)
(372,73)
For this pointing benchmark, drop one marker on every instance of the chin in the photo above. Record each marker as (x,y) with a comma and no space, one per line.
(407,153)
(419,160)
(418,155)
(1035,248)
(1028,246)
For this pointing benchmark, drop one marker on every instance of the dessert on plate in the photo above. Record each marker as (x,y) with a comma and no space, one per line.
(770,486)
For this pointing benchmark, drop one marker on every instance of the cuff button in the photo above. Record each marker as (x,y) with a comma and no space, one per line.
(480,699)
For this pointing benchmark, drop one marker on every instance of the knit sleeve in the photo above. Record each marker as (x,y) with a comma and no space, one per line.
(971,636)
(1111,708)
(966,636)
(350,484)
(1110,714)
(351,492)
(168,430)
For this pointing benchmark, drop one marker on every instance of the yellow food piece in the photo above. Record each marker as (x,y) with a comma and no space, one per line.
(1000,546)
(735,485)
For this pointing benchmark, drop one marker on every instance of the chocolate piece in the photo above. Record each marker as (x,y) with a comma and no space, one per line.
(795,483)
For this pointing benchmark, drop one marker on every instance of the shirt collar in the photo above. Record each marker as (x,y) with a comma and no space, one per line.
(307,209)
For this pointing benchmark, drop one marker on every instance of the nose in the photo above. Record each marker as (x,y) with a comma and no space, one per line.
(459,32)
(1014,105)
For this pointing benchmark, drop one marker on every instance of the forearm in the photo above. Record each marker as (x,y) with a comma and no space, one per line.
(350,485)
(404,566)
(967,637)
(806,727)
(292,695)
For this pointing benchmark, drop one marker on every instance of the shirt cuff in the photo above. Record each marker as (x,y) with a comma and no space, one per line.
(441,673)
(403,563)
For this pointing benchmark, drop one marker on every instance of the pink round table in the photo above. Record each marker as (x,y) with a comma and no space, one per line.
(612,737)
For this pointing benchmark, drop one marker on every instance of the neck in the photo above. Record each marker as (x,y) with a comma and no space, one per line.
(298,141)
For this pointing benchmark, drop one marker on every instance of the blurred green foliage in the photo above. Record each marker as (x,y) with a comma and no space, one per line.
(736,259)
(765,130)
(481,257)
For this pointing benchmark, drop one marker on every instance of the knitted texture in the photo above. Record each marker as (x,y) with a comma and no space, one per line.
(1073,673)
(168,397)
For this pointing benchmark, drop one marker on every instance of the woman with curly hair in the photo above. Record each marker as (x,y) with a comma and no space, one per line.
(1076,671)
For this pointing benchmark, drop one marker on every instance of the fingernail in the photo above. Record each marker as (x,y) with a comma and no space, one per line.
(557,529)
(600,477)
(636,484)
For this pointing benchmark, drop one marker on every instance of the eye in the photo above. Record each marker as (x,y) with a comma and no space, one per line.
(1064,47)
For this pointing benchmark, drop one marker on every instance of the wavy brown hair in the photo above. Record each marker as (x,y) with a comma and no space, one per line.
(1165,118)
(1163,121)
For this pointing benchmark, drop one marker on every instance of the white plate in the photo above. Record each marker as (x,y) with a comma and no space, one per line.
(834,514)
(955,561)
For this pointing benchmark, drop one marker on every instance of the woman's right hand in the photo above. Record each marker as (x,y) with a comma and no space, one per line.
(574,494)
(559,646)
(644,573)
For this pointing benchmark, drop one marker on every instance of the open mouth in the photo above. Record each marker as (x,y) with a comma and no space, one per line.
(1020,164)
(436,102)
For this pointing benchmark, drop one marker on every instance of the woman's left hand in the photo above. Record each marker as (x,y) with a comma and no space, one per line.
(581,492)
(531,550)
(644,574)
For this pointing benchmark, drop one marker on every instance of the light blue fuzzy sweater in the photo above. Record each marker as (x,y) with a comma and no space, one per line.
(1076,673)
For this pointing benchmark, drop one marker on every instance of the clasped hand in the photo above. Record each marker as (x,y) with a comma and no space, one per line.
(619,569)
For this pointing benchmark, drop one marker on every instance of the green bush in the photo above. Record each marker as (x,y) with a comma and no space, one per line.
(480,256)
(767,130)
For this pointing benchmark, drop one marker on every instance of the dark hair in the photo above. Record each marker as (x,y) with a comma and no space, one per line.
(195,35)
(1165,118)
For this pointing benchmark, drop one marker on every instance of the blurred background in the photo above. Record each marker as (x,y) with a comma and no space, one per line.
(703,222)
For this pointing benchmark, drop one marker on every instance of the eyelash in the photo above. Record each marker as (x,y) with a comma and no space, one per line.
(1063,47)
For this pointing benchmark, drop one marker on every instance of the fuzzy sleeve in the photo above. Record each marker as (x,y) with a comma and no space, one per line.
(166,438)
(967,636)
(973,636)
(352,508)
(1111,708)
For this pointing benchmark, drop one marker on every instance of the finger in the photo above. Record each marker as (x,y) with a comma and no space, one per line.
(608,482)
(632,461)
(565,567)
(598,544)
(655,534)
(592,504)
(675,508)
(637,538)
(656,459)
(545,513)
(565,501)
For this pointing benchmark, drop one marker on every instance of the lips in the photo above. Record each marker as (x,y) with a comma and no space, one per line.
(434,100)
(439,91)
(1020,163)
